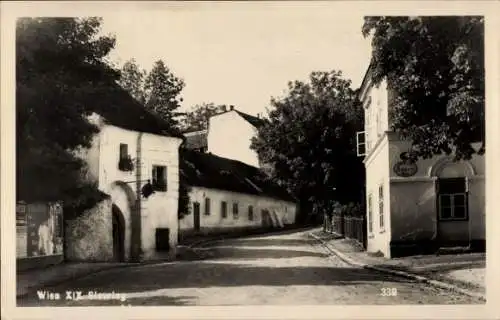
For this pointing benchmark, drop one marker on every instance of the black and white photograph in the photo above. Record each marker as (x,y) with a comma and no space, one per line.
(247,154)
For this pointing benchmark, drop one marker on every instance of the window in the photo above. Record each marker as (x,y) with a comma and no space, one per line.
(381,207)
(452,199)
(124,162)
(123,151)
(250,213)
(159,175)
(207,206)
(370,214)
(223,209)
(361,143)
(235,210)
(379,120)
(162,237)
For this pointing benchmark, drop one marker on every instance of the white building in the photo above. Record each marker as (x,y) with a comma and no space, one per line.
(415,206)
(227,195)
(132,148)
(230,134)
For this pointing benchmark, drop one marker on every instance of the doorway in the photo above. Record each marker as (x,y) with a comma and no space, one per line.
(196,216)
(118,234)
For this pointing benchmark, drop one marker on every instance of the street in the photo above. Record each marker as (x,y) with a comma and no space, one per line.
(265,270)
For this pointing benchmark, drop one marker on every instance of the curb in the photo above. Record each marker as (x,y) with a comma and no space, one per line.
(436,283)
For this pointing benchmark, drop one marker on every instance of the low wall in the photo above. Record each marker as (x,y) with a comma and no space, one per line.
(89,237)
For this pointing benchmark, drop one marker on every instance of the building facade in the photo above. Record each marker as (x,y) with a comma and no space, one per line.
(414,207)
(230,134)
(132,152)
(227,195)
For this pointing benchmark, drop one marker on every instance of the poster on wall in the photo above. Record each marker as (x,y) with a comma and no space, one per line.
(44,229)
(21,231)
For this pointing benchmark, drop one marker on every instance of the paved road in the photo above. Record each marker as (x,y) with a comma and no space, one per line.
(273,270)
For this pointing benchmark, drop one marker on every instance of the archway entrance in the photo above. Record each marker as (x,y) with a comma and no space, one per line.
(118,234)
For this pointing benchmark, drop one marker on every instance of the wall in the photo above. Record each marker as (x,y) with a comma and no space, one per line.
(285,212)
(160,209)
(413,199)
(375,103)
(229,136)
(39,239)
(89,237)
(377,172)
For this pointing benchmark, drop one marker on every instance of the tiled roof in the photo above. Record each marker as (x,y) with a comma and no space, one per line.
(196,140)
(123,111)
(210,171)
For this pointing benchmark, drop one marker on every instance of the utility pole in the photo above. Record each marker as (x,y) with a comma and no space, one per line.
(136,219)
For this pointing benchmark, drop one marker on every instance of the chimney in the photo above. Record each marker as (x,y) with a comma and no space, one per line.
(231,107)
(224,108)
(258,115)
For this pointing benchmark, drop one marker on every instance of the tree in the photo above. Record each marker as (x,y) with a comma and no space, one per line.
(61,76)
(309,141)
(197,118)
(434,68)
(159,90)
(162,89)
(132,79)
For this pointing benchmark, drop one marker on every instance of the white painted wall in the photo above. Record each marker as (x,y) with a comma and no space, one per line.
(377,173)
(375,102)
(229,136)
(160,209)
(284,212)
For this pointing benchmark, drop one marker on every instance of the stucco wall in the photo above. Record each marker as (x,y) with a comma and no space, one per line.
(160,209)
(413,210)
(413,199)
(89,237)
(377,168)
(282,212)
(229,136)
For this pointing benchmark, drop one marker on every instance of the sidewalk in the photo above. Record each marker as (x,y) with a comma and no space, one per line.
(464,271)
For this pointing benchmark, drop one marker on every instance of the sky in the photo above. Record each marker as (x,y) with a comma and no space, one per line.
(241,53)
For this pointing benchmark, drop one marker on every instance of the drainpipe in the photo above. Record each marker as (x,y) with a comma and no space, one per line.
(136,219)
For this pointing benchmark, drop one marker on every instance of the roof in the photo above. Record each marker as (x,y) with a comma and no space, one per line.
(210,171)
(255,121)
(196,140)
(366,77)
(123,111)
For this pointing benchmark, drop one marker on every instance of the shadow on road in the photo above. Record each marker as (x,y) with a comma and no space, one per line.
(262,242)
(254,253)
(212,274)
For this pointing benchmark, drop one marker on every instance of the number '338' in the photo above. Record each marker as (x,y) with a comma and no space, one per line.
(389,292)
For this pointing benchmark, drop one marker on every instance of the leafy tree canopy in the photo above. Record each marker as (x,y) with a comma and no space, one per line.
(159,90)
(309,140)
(61,75)
(434,68)
(197,118)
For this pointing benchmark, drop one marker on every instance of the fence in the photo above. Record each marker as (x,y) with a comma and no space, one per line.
(351,227)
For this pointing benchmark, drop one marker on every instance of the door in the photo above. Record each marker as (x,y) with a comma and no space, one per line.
(196,216)
(118,234)
(453,226)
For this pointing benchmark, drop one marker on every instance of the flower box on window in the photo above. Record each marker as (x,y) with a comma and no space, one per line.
(159,185)
(126,164)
